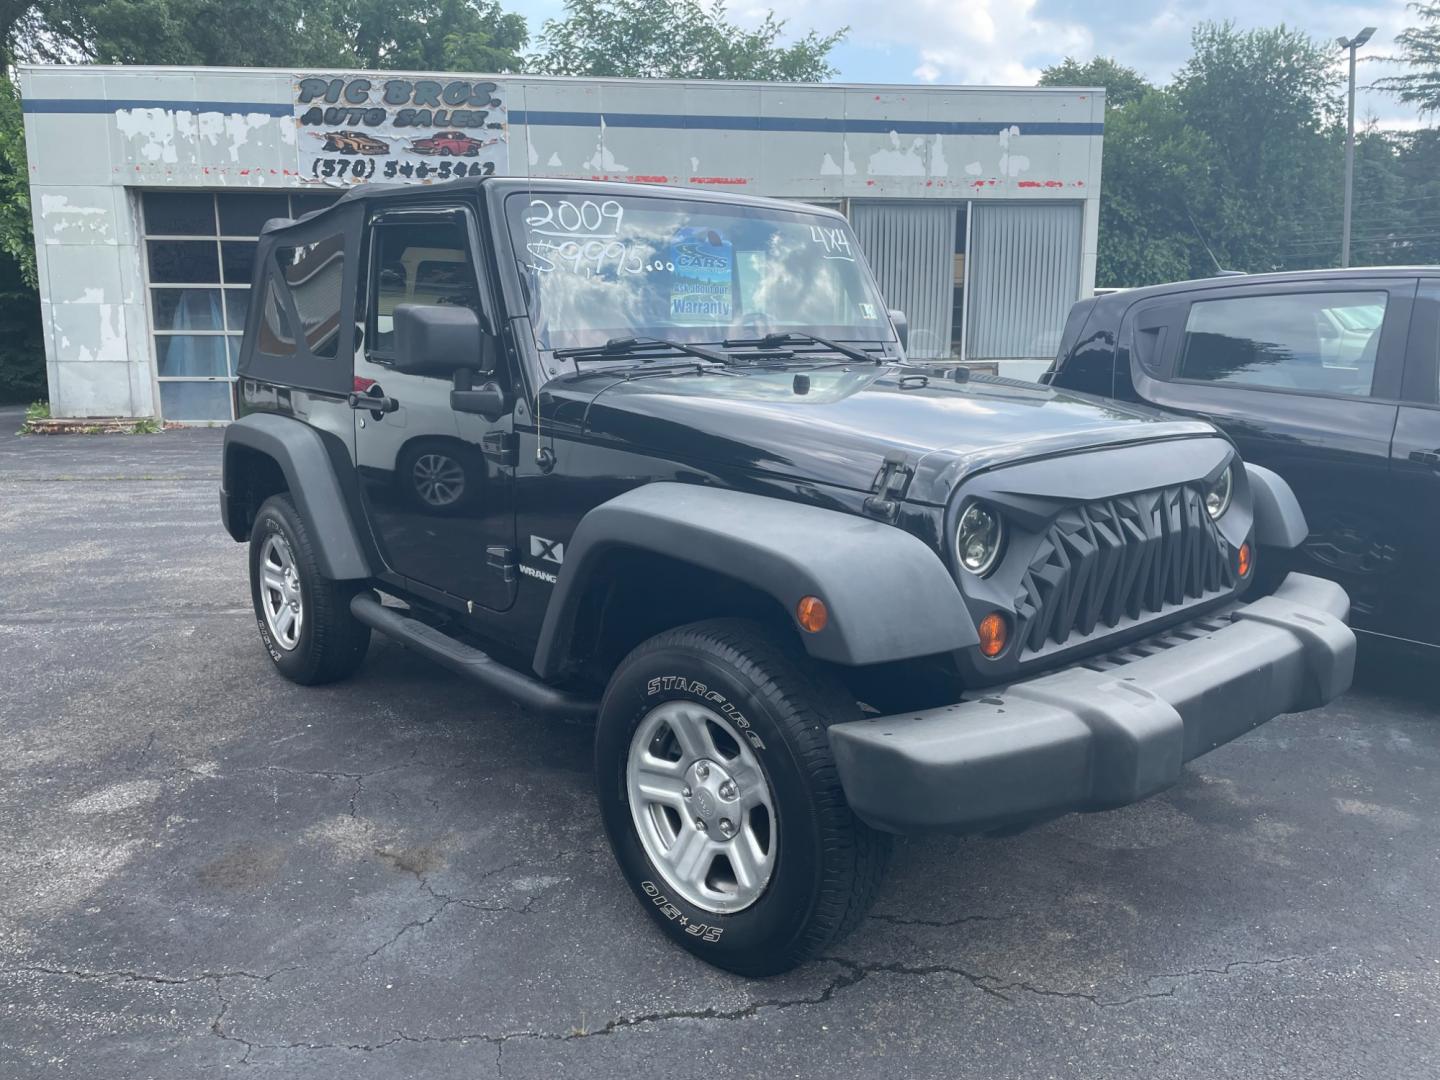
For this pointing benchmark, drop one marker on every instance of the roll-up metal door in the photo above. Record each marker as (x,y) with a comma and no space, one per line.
(911,247)
(1023,271)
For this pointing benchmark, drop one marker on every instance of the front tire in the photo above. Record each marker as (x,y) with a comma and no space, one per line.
(304,618)
(721,800)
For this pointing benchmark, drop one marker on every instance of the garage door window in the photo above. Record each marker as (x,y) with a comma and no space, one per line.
(199,257)
(1309,342)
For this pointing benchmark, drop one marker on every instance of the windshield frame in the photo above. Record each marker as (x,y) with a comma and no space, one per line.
(509,242)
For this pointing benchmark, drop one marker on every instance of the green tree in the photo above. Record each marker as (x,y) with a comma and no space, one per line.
(22,359)
(1152,159)
(1123,85)
(1419,51)
(1155,177)
(476,35)
(1237,162)
(1267,100)
(677,39)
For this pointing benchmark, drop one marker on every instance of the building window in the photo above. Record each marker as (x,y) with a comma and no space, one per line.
(199,257)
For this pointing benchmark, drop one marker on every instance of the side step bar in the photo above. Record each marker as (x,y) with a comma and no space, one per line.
(469,662)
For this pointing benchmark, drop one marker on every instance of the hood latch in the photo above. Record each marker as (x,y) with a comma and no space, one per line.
(889,488)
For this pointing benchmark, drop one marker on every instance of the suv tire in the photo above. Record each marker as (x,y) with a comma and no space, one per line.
(725,718)
(287,588)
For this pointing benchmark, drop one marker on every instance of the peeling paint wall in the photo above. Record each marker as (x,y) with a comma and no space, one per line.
(95,133)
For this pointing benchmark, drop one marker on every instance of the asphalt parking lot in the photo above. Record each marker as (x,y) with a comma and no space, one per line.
(204,867)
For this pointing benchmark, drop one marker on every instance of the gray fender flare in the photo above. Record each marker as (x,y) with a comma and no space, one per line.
(890,597)
(300,452)
(1279,521)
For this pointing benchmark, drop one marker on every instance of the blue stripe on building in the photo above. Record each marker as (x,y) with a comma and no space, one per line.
(677,121)
(104,105)
(546,118)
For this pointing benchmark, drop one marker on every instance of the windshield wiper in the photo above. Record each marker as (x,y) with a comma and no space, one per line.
(620,348)
(774,341)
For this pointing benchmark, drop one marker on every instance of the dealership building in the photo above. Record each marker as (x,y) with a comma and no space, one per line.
(978,207)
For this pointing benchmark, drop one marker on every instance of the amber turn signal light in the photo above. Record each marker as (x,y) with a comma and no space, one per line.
(812,614)
(993,634)
(1242,560)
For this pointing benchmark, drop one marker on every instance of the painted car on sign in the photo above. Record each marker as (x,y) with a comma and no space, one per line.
(355,142)
(448,144)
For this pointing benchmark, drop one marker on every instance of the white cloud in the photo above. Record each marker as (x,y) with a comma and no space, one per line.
(1008,42)
(956,41)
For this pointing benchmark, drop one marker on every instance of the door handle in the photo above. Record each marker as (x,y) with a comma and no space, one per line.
(376,403)
(1426,457)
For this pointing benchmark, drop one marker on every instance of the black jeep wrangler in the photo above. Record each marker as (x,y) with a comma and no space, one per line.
(656,458)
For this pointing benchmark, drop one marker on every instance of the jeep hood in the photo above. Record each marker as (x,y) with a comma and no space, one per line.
(836,426)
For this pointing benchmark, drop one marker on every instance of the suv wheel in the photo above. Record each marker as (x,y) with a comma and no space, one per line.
(721,800)
(304,618)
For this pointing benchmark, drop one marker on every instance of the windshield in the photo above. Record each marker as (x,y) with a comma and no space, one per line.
(693,271)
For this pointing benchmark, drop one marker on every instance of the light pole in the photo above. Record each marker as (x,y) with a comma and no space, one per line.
(1352,44)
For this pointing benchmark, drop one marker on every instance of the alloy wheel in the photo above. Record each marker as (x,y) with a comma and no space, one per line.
(280,595)
(439,479)
(702,806)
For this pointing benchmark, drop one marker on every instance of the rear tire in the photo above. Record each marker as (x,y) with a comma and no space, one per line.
(712,736)
(304,618)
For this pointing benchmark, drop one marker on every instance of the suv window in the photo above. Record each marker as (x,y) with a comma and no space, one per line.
(276,337)
(315,275)
(1323,342)
(419,263)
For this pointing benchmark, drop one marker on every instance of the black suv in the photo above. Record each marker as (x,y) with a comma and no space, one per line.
(655,457)
(1329,377)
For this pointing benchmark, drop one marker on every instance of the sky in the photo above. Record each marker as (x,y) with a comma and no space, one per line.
(1007,42)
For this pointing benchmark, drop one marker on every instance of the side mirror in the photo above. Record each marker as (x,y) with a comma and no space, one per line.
(438,339)
(489,401)
(901,325)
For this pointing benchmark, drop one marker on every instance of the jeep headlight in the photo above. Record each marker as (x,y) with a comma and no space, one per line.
(1217,495)
(978,539)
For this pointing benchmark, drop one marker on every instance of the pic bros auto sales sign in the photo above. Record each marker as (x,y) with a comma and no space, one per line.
(355,128)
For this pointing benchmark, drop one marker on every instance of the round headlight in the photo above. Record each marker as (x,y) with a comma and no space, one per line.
(977,541)
(1217,495)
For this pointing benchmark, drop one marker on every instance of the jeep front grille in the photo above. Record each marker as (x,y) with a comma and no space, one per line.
(1119,562)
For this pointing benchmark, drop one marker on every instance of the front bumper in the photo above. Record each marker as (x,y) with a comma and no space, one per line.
(1107,732)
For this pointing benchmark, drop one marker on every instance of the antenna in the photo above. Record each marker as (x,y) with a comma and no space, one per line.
(1201,236)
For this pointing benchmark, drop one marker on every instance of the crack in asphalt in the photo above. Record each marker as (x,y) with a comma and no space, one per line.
(1000,989)
(901,920)
(332,775)
(446,901)
(67,479)
(139,976)
(91,616)
(850,973)
(337,775)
